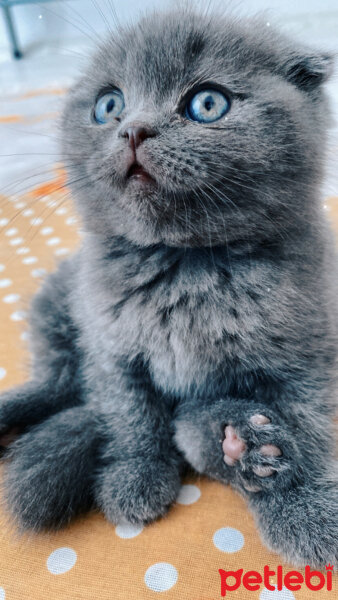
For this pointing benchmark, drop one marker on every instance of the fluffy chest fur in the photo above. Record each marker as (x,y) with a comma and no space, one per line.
(193,316)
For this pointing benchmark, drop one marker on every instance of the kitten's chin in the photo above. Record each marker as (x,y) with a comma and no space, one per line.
(146,215)
(140,187)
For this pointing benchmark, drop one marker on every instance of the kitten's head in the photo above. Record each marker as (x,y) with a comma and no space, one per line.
(194,130)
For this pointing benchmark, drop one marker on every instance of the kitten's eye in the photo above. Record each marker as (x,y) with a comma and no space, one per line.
(207,106)
(109,106)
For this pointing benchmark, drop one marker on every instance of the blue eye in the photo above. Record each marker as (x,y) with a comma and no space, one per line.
(109,106)
(207,106)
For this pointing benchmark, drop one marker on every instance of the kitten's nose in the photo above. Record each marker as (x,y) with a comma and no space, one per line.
(136,134)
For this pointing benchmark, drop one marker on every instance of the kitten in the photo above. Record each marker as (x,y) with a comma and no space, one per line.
(197,324)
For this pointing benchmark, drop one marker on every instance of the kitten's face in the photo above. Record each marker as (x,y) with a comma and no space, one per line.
(183,130)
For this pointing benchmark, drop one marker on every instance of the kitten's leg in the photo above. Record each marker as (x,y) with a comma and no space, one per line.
(281,460)
(139,476)
(49,473)
(286,468)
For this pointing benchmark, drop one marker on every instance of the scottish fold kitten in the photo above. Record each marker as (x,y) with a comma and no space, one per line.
(197,324)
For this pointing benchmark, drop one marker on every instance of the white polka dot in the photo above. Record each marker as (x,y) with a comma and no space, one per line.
(2,268)
(161,577)
(46,230)
(38,272)
(36,221)
(28,212)
(53,241)
(24,336)
(61,560)
(11,231)
(61,251)
(4,222)
(22,250)
(18,315)
(51,203)
(20,205)
(188,494)
(61,211)
(128,530)
(29,260)
(2,594)
(5,283)
(283,594)
(16,241)
(228,539)
(71,220)
(3,372)
(10,298)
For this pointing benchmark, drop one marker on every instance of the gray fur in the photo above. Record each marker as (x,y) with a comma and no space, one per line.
(208,299)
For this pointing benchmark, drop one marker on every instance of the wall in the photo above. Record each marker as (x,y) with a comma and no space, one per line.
(59,22)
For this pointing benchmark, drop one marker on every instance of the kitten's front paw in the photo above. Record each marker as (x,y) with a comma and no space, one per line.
(260,451)
(137,491)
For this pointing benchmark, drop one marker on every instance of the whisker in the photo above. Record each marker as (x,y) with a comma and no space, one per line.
(63,198)
(53,12)
(81,17)
(101,13)
(31,202)
(60,202)
(277,227)
(14,187)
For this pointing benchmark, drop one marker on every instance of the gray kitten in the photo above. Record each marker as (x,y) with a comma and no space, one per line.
(197,324)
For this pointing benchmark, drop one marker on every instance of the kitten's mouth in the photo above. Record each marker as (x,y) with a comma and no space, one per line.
(136,171)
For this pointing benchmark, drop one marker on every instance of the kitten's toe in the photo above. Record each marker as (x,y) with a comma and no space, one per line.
(270,450)
(233,446)
(136,491)
(258,419)
(257,449)
(262,471)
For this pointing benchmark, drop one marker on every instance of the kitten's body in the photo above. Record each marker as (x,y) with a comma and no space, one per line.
(202,302)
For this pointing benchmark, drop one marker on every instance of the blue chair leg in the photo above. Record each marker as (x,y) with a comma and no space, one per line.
(11,32)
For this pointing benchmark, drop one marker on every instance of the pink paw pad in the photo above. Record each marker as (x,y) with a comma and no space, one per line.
(233,446)
(259,420)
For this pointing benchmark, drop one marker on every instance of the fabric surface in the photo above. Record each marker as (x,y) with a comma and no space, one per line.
(178,557)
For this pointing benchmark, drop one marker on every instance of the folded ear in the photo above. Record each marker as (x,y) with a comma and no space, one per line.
(310,71)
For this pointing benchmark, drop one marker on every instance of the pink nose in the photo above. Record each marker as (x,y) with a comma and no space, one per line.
(136,134)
